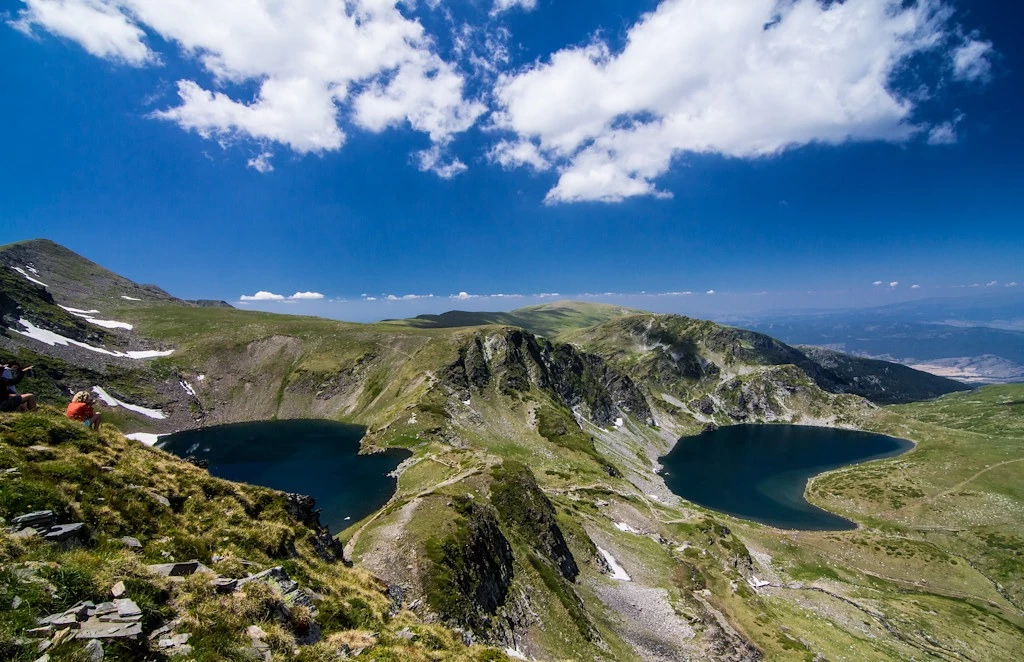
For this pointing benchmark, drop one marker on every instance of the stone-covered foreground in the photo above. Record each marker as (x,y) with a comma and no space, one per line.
(92,530)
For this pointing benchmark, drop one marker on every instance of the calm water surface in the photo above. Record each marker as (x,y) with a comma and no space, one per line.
(759,472)
(318,458)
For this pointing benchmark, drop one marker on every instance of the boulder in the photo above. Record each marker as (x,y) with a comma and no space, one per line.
(40,519)
(65,532)
(131,543)
(118,589)
(93,651)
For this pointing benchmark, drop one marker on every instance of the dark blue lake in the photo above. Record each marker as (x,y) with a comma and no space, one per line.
(318,458)
(760,472)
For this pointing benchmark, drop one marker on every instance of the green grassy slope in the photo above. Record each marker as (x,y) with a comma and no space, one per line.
(75,280)
(116,487)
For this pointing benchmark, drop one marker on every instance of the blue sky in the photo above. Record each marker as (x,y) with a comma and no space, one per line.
(779,153)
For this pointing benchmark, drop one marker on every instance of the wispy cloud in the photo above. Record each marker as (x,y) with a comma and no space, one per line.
(261,163)
(894,283)
(878,283)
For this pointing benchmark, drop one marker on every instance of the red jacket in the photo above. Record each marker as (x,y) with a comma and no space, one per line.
(80,411)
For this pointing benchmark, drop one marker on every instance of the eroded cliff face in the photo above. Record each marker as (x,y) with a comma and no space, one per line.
(471,570)
(517,361)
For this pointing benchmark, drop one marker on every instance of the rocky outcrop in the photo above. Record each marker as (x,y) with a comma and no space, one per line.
(471,570)
(517,361)
(303,509)
(523,508)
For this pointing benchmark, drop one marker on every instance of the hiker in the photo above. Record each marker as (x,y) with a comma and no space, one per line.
(81,409)
(10,399)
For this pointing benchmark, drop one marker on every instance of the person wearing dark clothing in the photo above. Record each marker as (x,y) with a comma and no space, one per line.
(10,400)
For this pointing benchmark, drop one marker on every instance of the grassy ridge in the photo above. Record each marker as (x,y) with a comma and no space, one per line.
(114,485)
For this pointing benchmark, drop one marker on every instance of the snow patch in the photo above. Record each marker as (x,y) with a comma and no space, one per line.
(87,315)
(412,419)
(128,298)
(149,353)
(513,653)
(619,422)
(654,497)
(114,402)
(466,402)
(22,272)
(50,338)
(32,269)
(188,388)
(201,378)
(618,572)
(622,526)
(147,438)
(758,583)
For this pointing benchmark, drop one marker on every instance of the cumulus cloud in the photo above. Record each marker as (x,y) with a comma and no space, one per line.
(262,296)
(463,296)
(878,283)
(514,154)
(710,292)
(741,78)
(972,61)
(316,65)
(915,287)
(102,28)
(1012,284)
(894,283)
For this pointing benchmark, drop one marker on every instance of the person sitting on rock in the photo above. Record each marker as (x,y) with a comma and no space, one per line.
(81,409)
(10,400)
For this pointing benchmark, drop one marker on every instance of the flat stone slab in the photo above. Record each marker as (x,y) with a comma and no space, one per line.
(62,532)
(127,608)
(95,629)
(183,569)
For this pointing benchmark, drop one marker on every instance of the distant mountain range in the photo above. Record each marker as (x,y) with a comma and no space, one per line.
(977,339)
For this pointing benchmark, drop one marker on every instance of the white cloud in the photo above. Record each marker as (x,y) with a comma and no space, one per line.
(102,28)
(514,154)
(463,296)
(261,163)
(710,292)
(877,283)
(741,78)
(505,5)
(972,60)
(432,160)
(945,133)
(318,65)
(306,296)
(991,283)
(1012,284)
(942,134)
(408,297)
(915,287)
(894,283)
(262,296)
